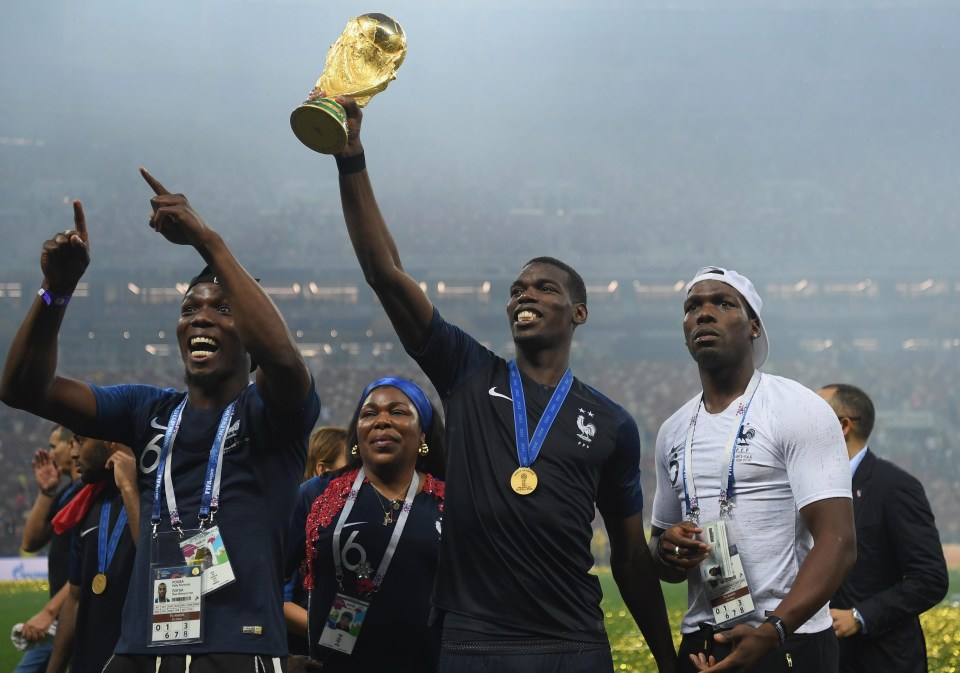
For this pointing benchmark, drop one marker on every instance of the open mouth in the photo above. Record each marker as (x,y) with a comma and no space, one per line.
(203,348)
(525,316)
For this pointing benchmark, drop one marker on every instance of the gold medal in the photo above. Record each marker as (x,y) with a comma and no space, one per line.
(523,481)
(99,584)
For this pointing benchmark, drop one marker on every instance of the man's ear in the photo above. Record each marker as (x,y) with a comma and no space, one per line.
(579,314)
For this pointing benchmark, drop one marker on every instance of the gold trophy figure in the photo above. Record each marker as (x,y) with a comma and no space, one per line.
(360,64)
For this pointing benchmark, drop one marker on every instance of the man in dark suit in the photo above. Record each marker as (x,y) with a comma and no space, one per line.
(900,570)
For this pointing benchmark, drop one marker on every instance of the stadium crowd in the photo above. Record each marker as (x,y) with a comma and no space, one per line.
(917,396)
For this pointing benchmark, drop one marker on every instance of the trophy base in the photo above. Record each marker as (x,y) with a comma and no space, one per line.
(321,125)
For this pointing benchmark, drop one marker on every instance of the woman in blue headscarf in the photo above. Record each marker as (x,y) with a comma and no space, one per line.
(372,538)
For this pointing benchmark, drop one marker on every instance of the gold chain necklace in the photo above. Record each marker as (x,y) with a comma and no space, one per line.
(389,506)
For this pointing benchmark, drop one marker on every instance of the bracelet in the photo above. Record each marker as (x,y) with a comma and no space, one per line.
(778,624)
(54,299)
(354,164)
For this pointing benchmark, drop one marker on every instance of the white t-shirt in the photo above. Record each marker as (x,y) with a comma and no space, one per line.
(790,453)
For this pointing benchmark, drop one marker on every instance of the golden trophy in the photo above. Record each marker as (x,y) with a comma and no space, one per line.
(360,64)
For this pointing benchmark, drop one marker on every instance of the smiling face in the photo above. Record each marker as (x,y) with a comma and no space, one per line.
(541,311)
(717,327)
(388,431)
(210,346)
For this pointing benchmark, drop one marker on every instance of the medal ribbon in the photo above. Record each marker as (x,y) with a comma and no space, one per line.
(690,498)
(105,549)
(210,498)
(529,449)
(394,537)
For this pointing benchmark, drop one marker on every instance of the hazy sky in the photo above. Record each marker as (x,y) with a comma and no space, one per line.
(829,127)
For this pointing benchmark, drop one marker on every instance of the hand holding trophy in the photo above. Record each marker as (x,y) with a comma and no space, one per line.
(360,64)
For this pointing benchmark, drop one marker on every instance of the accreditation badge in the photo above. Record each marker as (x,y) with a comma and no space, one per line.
(207,551)
(724,582)
(176,593)
(343,623)
(177,606)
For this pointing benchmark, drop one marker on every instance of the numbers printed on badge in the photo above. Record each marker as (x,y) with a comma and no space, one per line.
(729,610)
(176,630)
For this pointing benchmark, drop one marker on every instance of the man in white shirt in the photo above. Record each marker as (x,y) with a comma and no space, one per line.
(755,465)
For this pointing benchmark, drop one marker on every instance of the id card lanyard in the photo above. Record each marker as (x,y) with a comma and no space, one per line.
(394,537)
(691,501)
(528,448)
(210,498)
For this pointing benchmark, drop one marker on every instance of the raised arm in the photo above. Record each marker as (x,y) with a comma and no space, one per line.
(406,304)
(124,467)
(282,377)
(636,577)
(37,529)
(30,379)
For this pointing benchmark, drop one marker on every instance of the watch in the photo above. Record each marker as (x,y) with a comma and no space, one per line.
(778,624)
(859,619)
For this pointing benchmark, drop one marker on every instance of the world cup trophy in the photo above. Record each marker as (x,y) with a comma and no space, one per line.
(360,64)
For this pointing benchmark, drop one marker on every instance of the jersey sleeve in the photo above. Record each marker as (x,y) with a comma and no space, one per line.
(666,506)
(449,355)
(117,410)
(292,423)
(76,557)
(815,454)
(620,494)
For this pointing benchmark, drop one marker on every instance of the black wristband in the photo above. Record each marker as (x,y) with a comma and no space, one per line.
(778,624)
(354,164)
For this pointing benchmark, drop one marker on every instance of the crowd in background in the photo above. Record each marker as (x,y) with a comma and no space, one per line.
(917,398)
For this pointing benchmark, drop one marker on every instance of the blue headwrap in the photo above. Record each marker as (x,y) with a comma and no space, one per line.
(411,390)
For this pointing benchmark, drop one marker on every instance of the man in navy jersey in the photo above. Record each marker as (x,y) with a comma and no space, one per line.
(222,459)
(532,453)
(101,557)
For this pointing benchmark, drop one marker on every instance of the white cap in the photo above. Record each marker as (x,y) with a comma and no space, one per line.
(742,284)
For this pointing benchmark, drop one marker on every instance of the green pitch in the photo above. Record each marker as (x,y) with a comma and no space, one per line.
(21,600)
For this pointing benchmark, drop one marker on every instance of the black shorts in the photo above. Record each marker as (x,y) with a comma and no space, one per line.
(201,663)
(801,653)
(588,659)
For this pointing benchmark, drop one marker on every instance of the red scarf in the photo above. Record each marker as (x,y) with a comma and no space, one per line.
(76,509)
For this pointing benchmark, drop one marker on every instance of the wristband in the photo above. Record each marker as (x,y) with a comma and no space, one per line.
(778,624)
(354,164)
(52,298)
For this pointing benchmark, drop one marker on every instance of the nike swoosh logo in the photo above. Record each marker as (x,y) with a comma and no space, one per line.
(493,393)
(89,530)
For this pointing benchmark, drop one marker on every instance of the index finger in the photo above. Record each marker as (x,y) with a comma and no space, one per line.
(79,221)
(155,185)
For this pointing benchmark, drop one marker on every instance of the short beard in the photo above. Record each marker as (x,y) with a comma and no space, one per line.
(207,382)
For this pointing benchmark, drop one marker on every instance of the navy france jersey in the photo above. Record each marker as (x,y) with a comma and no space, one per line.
(99,615)
(512,565)
(264,456)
